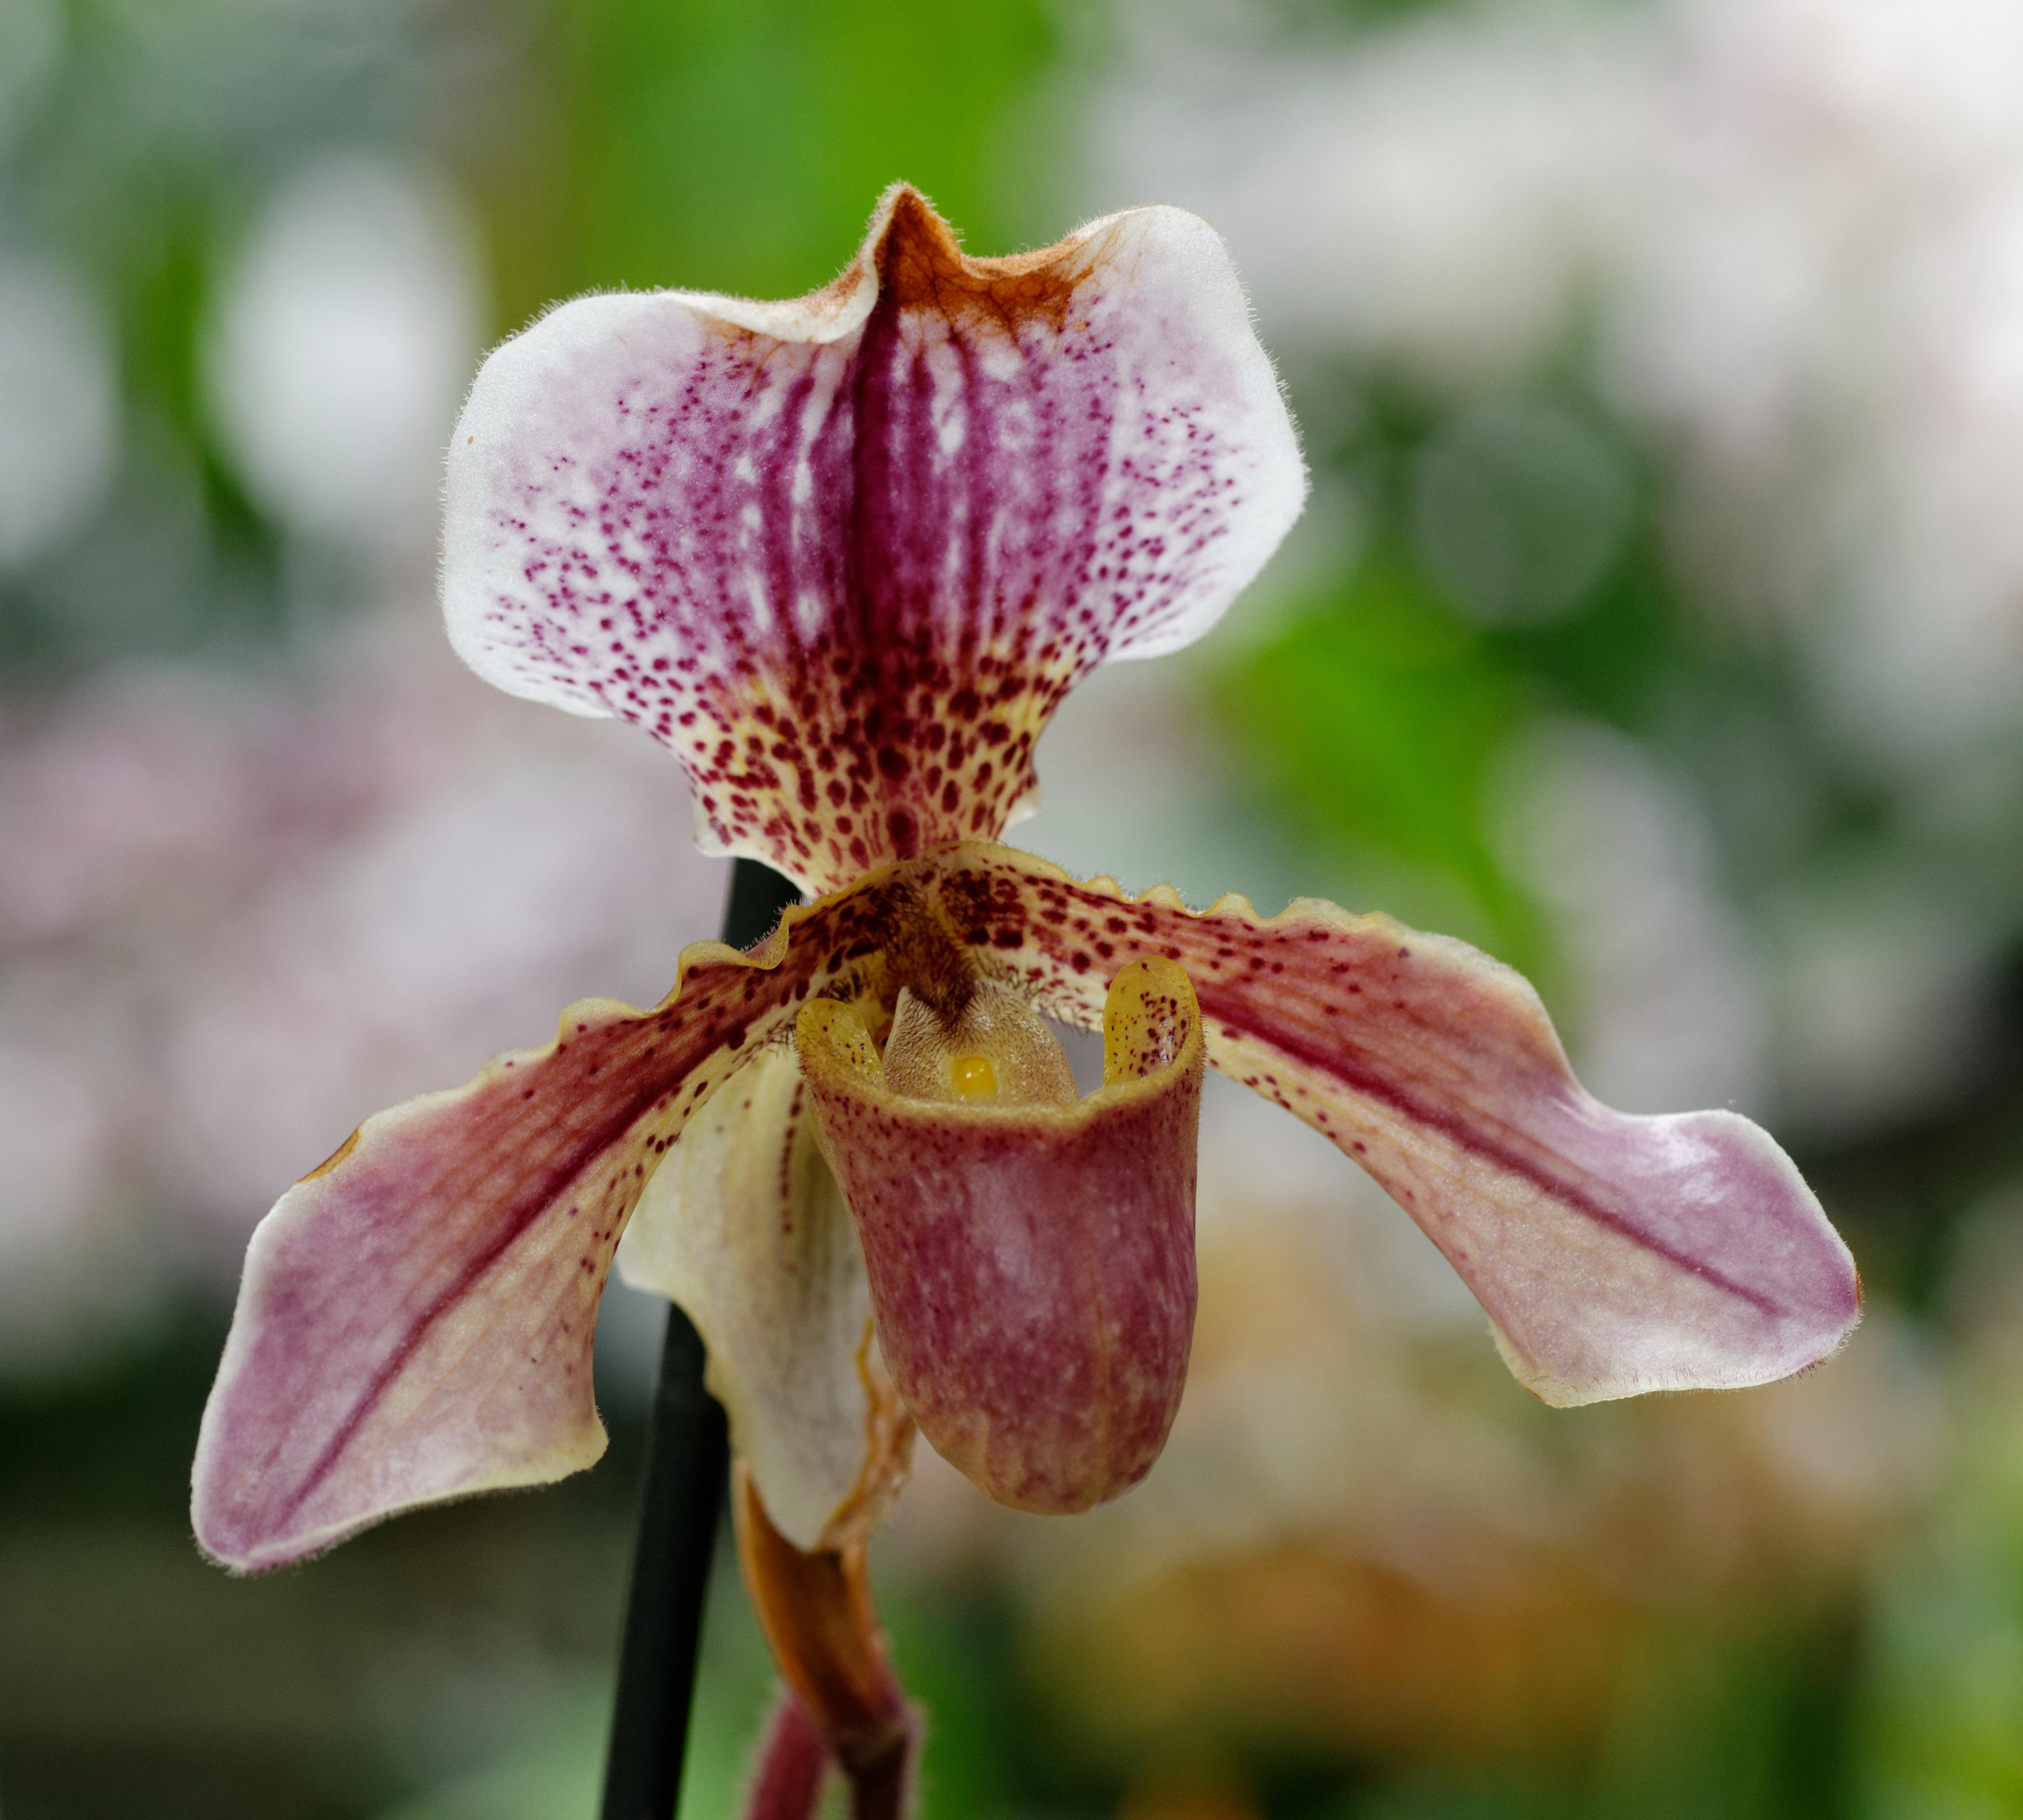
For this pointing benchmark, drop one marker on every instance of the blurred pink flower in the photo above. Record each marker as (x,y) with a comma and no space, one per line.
(199,868)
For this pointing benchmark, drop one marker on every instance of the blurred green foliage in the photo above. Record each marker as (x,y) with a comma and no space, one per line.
(737,147)
(1373,716)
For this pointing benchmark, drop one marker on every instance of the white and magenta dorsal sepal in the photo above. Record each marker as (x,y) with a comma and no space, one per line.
(845,554)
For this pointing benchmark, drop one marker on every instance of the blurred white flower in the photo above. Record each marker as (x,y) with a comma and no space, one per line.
(1665,997)
(345,335)
(1822,300)
(1937,657)
(1798,224)
(59,406)
(138,781)
(1886,996)
(1429,195)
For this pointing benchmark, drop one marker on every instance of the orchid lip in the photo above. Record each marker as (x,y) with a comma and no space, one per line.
(1031,1261)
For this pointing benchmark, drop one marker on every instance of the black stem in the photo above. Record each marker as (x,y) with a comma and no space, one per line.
(681,1503)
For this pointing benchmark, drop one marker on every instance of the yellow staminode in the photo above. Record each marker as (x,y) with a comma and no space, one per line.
(996,1051)
(974,1076)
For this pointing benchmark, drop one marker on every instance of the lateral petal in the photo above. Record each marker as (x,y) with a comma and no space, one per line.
(1615,1254)
(744,1226)
(845,554)
(1032,1265)
(415,1317)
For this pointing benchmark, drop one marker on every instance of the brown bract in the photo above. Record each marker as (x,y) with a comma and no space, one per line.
(816,1611)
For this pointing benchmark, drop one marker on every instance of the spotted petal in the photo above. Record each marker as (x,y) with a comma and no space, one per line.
(845,554)
(415,1317)
(744,1226)
(1614,1254)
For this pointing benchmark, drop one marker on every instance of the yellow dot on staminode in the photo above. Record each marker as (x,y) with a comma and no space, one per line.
(974,1076)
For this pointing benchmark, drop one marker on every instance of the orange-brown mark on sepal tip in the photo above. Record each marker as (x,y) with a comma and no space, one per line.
(1032,1269)
(817,1612)
(921,265)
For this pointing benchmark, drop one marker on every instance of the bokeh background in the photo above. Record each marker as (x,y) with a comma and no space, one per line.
(1657,623)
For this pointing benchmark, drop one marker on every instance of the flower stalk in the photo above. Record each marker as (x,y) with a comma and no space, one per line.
(681,1503)
(793,1767)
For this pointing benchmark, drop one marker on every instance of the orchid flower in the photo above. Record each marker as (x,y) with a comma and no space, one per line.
(844,556)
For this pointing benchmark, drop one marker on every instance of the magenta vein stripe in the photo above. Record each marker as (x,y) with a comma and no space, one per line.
(521,1214)
(1229,1014)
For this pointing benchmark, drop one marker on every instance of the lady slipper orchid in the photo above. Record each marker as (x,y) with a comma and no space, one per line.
(844,556)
